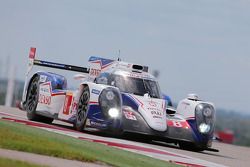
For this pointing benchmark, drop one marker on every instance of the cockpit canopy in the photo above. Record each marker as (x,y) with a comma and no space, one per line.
(130,83)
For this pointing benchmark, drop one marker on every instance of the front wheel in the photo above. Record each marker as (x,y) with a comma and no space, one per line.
(81,113)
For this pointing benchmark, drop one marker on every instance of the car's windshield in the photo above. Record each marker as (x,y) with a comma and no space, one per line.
(135,86)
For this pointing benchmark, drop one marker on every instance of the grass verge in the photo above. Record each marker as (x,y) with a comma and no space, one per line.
(6,162)
(23,138)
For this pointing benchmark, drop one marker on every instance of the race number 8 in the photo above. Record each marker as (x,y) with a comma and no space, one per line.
(177,124)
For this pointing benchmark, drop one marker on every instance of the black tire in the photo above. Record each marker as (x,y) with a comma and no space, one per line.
(82,110)
(32,101)
(190,146)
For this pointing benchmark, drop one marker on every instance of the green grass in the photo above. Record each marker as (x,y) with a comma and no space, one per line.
(6,162)
(23,138)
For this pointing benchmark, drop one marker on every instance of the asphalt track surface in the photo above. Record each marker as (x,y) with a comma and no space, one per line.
(228,155)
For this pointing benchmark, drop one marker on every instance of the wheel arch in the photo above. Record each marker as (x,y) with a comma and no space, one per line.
(57,81)
(94,90)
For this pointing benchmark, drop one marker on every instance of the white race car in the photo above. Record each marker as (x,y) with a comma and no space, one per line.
(115,97)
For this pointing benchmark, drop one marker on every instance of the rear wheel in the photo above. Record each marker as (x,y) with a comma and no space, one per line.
(32,101)
(81,113)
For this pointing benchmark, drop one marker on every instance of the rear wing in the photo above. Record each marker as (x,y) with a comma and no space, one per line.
(97,65)
(33,61)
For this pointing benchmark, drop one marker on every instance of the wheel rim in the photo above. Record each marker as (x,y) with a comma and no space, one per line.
(82,107)
(32,97)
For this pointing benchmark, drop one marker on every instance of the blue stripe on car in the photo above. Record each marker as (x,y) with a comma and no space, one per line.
(127,100)
(102,60)
(57,81)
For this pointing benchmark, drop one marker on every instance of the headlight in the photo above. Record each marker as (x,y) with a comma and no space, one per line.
(204,128)
(205,118)
(113,112)
(110,102)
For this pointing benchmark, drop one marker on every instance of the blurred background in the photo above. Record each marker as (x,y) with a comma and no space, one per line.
(200,47)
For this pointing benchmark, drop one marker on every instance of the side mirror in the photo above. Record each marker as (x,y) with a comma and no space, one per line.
(170,110)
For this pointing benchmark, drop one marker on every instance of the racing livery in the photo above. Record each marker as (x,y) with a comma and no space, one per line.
(116,97)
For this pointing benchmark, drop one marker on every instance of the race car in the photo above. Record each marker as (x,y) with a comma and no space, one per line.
(115,97)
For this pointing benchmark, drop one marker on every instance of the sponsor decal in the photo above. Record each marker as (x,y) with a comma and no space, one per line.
(94,72)
(43,78)
(44,89)
(44,99)
(154,116)
(156,113)
(95,91)
(49,63)
(152,103)
(139,75)
(74,106)
(135,75)
(67,103)
(129,115)
(44,93)
(153,107)
(98,124)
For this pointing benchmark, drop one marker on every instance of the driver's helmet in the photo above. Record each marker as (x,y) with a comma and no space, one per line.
(102,78)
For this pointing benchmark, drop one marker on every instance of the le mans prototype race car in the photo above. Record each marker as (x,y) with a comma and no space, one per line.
(116,97)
